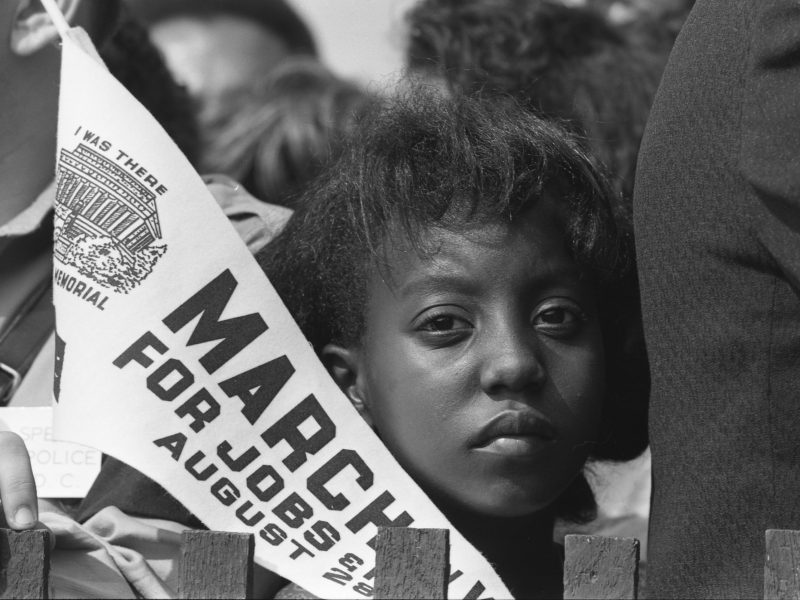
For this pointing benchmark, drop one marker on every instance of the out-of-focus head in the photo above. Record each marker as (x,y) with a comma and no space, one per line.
(629,10)
(278,136)
(137,64)
(215,47)
(565,62)
(651,24)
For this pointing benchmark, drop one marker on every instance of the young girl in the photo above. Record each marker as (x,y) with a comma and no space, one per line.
(462,275)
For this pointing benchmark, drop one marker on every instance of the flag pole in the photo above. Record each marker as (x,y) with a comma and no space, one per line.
(57,17)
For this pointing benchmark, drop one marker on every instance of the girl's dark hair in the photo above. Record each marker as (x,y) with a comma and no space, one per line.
(419,161)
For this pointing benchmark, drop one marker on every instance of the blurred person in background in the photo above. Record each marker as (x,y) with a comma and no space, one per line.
(650,23)
(29,71)
(281,132)
(218,48)
(30,63)
(137,64)
(568,63)
(717,224)
(31,67)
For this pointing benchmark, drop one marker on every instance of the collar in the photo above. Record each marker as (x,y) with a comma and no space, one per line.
(31,218)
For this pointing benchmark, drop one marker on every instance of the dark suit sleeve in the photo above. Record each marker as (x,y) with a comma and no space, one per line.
(769,157)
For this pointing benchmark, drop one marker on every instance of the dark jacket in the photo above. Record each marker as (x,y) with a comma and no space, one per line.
(717,216)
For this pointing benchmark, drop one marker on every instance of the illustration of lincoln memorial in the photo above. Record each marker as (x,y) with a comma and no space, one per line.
(97,197)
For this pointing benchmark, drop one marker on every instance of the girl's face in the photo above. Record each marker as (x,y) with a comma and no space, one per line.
(481,365)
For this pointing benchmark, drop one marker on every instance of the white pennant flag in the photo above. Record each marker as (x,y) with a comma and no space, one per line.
(176,356)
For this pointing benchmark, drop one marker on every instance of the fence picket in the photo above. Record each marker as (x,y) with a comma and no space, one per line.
(216,564)
(782,565)
(24,563)
(601,567)
(411,563)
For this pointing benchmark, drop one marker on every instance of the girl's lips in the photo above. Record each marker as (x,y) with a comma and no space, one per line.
(519,446)
(516,433)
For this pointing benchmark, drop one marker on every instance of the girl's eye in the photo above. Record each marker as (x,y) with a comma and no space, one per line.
(554,316)
(559,320)
(444,323)
(443,328)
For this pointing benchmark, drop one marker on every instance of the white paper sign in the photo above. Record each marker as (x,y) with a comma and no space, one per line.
(61,469)
(175,354)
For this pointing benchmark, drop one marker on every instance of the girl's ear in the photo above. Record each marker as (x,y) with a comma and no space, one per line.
(33,29)
(344,365)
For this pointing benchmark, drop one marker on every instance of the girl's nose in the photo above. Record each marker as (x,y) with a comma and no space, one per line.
(512,364)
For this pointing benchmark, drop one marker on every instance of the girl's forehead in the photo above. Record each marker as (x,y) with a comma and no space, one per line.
(525,247)
(473,232)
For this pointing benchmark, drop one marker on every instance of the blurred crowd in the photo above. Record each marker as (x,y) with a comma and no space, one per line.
(267,110)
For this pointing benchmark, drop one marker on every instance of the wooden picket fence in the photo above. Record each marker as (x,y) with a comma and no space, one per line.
(410,563)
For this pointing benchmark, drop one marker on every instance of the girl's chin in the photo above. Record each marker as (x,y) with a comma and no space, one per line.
(504,507)
(498,498)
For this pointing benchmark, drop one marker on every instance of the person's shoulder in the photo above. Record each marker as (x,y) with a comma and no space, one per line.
(255,221)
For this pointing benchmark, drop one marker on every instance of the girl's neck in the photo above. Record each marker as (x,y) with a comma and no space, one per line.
(521,549)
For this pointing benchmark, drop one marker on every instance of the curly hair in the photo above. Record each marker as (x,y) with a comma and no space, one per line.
(420,161)
(564,62)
